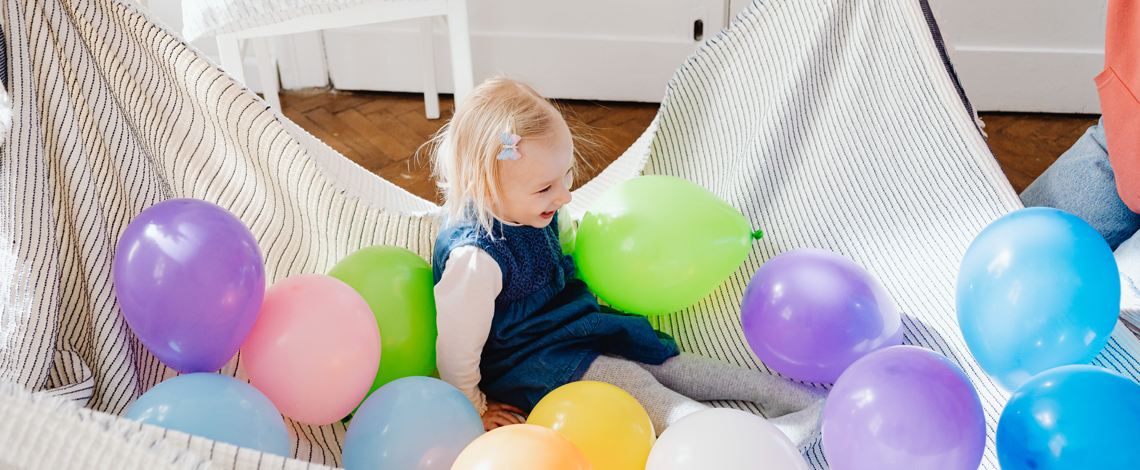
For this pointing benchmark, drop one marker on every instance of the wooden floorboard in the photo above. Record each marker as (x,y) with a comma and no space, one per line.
(1026,144)
(384,131)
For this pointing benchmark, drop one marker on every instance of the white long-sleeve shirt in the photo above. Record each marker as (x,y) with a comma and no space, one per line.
(465,306)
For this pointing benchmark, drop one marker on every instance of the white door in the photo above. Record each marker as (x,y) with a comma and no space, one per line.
(580,49)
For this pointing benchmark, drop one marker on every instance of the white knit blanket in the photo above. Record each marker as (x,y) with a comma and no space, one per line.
(831,124)
(204,18)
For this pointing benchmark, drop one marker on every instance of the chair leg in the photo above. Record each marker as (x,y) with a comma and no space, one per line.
(229,46)
(267,67)
(460,37)
(427,68)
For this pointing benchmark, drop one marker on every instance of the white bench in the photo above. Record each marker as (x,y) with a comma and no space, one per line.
(454,12)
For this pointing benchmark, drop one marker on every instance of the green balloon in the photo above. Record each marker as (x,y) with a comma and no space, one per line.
(398,285)
(657,244)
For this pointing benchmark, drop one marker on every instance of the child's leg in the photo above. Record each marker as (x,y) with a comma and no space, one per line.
(663,405)
(703,379)
(791,406)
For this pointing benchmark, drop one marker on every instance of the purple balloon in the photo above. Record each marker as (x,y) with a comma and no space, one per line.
(190,280)
(810,313)
(903,407)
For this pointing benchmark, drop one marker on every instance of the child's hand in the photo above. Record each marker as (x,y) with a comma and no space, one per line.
(500,414)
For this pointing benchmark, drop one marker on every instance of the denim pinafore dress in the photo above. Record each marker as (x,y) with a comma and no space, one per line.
(547,328)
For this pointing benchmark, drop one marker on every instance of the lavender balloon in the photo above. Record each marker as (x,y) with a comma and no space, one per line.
(810,313)
(189,278)
(903,407)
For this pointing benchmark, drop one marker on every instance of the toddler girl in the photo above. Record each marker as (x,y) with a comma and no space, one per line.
(514,323)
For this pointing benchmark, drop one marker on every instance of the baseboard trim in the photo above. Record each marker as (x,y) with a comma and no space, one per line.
(1030,79)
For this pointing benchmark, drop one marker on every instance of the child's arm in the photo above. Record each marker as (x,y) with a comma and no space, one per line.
(465,306)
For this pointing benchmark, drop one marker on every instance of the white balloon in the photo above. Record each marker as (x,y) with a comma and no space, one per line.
(724,439)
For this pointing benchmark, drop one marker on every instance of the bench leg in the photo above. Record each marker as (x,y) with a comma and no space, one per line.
(427,68)
(267,67)
(460,38)
(229,46)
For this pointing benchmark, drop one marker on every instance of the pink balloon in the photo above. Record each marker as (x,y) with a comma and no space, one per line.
(314,349)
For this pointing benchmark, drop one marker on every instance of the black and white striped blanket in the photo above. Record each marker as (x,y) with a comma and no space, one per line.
(835,124)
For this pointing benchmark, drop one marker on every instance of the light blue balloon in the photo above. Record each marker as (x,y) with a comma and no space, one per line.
(1037,289)
(1071,417)
(217,407)
(411,423)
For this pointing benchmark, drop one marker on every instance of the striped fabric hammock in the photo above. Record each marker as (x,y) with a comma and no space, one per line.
(835,124)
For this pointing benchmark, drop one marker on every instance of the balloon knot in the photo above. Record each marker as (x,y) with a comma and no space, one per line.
(757,234)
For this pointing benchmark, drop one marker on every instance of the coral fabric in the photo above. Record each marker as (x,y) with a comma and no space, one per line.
(1118,86)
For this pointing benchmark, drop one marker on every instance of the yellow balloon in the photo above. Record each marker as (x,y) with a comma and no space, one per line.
(604,421)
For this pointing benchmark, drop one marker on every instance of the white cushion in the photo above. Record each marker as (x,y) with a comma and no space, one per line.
(203,18)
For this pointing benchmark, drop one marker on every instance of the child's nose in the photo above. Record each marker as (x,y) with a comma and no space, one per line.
(564,196)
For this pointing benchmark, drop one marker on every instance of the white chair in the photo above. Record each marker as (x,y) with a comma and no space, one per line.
(454,12)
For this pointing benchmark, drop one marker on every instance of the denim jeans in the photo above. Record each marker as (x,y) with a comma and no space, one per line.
(1081,182)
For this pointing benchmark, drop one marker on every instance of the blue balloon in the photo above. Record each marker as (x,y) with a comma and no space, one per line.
(1038,288)
(411,423)
(217,407)
(1071,417)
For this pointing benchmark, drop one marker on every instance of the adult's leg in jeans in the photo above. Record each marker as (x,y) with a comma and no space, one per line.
(1081,182)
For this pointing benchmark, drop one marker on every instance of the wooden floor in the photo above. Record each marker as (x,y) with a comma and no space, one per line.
(383,132)
(1026,144)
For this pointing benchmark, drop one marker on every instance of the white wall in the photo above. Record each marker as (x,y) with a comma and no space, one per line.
(1026,55)
(561,46)
(623,50)
(1011,55)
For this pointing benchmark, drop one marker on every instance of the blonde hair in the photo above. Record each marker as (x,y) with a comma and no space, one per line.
(464,151)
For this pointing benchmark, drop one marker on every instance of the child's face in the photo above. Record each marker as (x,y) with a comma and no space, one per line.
(537,184)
